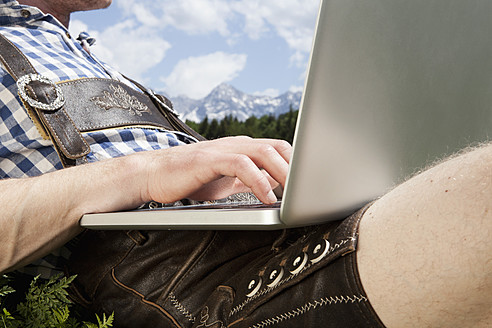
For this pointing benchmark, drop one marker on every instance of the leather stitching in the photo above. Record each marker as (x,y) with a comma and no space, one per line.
(181,308)
(332,300)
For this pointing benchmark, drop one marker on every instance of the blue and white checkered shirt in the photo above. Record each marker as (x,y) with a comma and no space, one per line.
(55,54)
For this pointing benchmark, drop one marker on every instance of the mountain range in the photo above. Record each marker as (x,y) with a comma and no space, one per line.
(226,100)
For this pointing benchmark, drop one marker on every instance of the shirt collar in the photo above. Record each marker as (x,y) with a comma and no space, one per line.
(14,14)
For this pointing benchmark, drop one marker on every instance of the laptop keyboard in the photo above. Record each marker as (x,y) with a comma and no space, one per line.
(230,205)
(242,200)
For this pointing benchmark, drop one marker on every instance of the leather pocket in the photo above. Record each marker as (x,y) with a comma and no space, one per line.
(94,255)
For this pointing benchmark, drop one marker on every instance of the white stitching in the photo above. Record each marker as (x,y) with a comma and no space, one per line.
(181,307)
(308,307)
(269,289)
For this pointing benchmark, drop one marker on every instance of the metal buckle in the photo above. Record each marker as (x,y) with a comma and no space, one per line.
(163,104)
(22,83)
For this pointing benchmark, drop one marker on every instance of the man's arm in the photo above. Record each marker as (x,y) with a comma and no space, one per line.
(40,214)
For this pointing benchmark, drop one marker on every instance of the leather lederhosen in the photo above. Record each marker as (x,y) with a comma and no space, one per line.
(303,277)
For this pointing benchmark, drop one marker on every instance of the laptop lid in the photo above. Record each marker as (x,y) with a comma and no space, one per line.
(392,86)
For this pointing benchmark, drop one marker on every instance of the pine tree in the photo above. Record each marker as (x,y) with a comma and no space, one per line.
(267,126)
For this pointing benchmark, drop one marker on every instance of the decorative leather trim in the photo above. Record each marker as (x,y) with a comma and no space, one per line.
(343,241)
(268,290)
(97,104)
(118,98)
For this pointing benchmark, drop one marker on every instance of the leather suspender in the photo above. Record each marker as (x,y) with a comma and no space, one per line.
(63,110)
(58,124)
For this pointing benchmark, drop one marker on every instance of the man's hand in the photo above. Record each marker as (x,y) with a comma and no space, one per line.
(216,169)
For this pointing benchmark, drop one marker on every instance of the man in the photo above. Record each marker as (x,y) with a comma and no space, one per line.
(422,260)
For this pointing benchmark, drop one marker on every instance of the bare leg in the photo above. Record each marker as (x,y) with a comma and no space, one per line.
(425,251)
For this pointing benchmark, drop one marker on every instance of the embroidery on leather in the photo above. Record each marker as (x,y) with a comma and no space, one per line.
(205,316)
(117,97)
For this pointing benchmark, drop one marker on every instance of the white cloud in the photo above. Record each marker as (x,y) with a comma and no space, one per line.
(268,92)
(254,20)
(143,11)
(299,59)
(77,26)
(197,76)
(296,88)
(132,48)
(191,16)
(199,16)
(293,20)
(136,49)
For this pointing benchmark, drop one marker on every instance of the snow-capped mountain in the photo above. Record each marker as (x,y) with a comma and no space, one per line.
(226,100)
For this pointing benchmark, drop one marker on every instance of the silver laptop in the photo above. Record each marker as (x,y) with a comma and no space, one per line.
(392,86)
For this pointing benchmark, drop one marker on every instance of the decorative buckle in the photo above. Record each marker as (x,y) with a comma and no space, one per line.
(22,83)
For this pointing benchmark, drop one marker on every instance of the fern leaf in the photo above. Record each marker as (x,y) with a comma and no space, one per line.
(104,323)
(5,290)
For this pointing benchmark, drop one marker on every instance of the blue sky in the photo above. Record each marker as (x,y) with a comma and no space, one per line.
(187,47)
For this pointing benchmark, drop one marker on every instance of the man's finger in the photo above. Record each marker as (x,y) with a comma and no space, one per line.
(242,167)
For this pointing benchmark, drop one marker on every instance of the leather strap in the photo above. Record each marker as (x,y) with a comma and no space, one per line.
(69,142)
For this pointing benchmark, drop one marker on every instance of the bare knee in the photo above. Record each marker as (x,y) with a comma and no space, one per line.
(425,256)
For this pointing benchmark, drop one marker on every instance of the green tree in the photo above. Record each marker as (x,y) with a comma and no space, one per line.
(213,130)
(267,126)
(203,127)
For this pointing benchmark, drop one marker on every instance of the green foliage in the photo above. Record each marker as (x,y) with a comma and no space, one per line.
(45,305)
(104,323)
(267,126)
(5,316)
(5,290)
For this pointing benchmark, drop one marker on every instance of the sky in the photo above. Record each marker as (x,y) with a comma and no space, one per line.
(188,47)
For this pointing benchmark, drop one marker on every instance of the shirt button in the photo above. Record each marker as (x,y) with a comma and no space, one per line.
(25,13)
(68,35)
